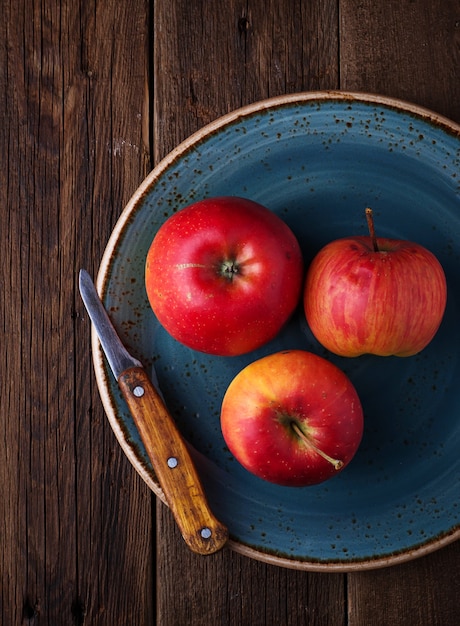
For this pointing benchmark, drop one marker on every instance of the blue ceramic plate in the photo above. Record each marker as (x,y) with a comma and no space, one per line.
(316,159)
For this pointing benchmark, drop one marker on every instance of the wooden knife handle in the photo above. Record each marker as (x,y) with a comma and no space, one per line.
(172,463)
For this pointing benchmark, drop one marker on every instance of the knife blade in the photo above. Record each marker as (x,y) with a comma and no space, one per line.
(168,453)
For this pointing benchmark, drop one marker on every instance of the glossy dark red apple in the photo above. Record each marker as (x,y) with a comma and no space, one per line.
(223,275)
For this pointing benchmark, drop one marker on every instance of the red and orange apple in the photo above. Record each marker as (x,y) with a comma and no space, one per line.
(292,418)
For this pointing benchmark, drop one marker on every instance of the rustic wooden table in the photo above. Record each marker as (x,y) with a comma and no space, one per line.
(94,93)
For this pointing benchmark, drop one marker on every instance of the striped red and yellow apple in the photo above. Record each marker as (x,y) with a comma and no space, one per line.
(372,295)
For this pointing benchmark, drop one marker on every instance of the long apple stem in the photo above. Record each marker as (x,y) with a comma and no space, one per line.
(370,225)
(337,463)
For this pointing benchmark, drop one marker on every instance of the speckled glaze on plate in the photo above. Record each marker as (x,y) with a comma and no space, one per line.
(316,159)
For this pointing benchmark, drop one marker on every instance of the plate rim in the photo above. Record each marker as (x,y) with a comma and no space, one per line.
(101,369)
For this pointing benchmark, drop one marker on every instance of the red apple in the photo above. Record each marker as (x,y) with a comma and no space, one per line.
(292,418)
(223,275)
(374,295)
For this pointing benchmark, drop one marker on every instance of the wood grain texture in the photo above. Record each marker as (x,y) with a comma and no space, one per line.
(73,152)
(208,62)
(408,50)
(424,592)
(229,589)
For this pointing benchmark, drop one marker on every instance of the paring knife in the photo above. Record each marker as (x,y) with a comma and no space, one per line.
(167,451)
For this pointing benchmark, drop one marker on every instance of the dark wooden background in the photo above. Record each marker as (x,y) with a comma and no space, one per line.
(92,94)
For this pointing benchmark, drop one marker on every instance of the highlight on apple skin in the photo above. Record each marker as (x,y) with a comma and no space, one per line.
(292,418)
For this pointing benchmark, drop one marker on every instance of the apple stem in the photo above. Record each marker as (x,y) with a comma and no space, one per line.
(337,463)
(370,225)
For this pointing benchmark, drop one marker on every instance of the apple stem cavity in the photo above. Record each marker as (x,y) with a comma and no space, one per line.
(229,269)
(370,225)
(336,463)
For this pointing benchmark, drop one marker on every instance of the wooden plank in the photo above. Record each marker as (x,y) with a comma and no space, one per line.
(227,588)
(423,592)
(13,501)
(207,62)
(416,57)
(407,50)
(73,134)
(108,76)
